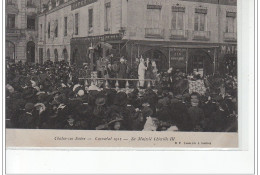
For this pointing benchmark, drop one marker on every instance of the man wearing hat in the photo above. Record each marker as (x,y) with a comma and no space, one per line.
(28,120)
(122,74)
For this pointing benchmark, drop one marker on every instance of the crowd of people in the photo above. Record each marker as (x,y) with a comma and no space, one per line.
(52,96)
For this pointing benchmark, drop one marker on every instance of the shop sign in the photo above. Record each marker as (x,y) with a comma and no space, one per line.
(81,3)
(228,49)
(108,37)
(178,57)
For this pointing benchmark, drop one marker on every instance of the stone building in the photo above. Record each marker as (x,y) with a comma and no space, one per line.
(21,29)
(190,35)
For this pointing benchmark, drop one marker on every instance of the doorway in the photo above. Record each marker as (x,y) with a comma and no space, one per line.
(160,59)
(200,62)
(56,55)
(65,55)
(10,50)
(41,55)
(30,52)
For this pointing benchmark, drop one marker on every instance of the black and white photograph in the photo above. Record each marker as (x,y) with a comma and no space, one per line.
(121,65)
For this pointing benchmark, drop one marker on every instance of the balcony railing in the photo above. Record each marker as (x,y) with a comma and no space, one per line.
(154,33)
(230,37)
(117,83)
(178,34)
(201,35)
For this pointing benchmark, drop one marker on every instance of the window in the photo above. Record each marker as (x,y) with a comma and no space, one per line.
(56,55)
(76,24)
(49,29)
(153,16)
(48,54)
(53,3)
(30,3)
(230,22)
(30,22)
(10,21)
(107,16)
(200,19)
(56,31)
(178,18)
(90,20)
(10,2)
(40,33)
(65,26)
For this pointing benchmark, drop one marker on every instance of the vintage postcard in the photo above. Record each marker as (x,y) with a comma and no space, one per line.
(121,73)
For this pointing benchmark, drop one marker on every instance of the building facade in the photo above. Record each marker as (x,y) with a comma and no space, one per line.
(21,29)
(191,35)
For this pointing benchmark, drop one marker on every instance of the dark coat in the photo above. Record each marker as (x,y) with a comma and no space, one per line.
(27,121)
(122,70)
(149,71)
(196,116)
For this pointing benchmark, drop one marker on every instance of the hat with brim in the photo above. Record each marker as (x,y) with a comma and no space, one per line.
(29,106)
(115,117)
(100,101)
(147,112)
(121,99)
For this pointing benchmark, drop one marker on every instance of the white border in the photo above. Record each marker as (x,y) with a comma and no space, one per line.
(188,162)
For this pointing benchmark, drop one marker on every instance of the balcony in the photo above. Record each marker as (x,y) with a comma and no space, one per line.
(201,35)
(230,37)
(12,8)
(154,33)
(179,34)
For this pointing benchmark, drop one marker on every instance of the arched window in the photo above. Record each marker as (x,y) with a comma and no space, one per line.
(48,54)
(65,55)
(56,55)
(10,50)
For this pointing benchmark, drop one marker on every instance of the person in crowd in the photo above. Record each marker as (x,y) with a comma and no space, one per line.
(154,70)
(141,72)
(149,69)
(122,72)
(52,96)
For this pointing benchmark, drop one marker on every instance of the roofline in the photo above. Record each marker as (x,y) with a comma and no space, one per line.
(57,8)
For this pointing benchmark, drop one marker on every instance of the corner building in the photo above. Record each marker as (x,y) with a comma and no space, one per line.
(190,35)
(21,29)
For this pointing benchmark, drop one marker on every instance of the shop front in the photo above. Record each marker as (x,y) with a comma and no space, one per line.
(90,49)
(192,60)
(228,59)
(185,57)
